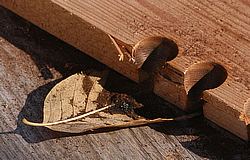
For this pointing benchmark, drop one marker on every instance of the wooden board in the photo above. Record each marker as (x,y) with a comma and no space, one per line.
(214,32)
(32,62)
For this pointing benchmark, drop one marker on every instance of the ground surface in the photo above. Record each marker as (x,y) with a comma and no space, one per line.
(32,62)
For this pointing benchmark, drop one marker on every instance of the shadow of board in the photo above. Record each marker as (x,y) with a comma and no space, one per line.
(46,50)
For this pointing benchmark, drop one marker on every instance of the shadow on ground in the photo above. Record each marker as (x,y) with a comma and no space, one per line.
(48,51)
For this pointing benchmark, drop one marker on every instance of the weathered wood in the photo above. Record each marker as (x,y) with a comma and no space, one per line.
(200,29)
(32,62)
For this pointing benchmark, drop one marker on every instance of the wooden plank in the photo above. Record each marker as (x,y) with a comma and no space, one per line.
(32,62)
(214,31)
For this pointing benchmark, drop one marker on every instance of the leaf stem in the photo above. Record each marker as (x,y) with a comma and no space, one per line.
(25,121)
(141,122)
(132,123)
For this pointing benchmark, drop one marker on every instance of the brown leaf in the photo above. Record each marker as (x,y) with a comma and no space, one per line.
(76,96)
(80,103)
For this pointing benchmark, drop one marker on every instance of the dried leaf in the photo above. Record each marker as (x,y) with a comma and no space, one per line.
(74,96)
(80,103)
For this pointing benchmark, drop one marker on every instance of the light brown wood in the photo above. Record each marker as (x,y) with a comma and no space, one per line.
(32,62)
(204,31)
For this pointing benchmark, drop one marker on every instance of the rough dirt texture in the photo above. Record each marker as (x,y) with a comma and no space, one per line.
(32,62)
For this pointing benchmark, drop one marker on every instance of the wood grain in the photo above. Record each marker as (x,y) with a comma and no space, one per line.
(213,31)
(32,62)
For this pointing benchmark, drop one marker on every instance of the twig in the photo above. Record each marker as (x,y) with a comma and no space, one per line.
(121,55)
